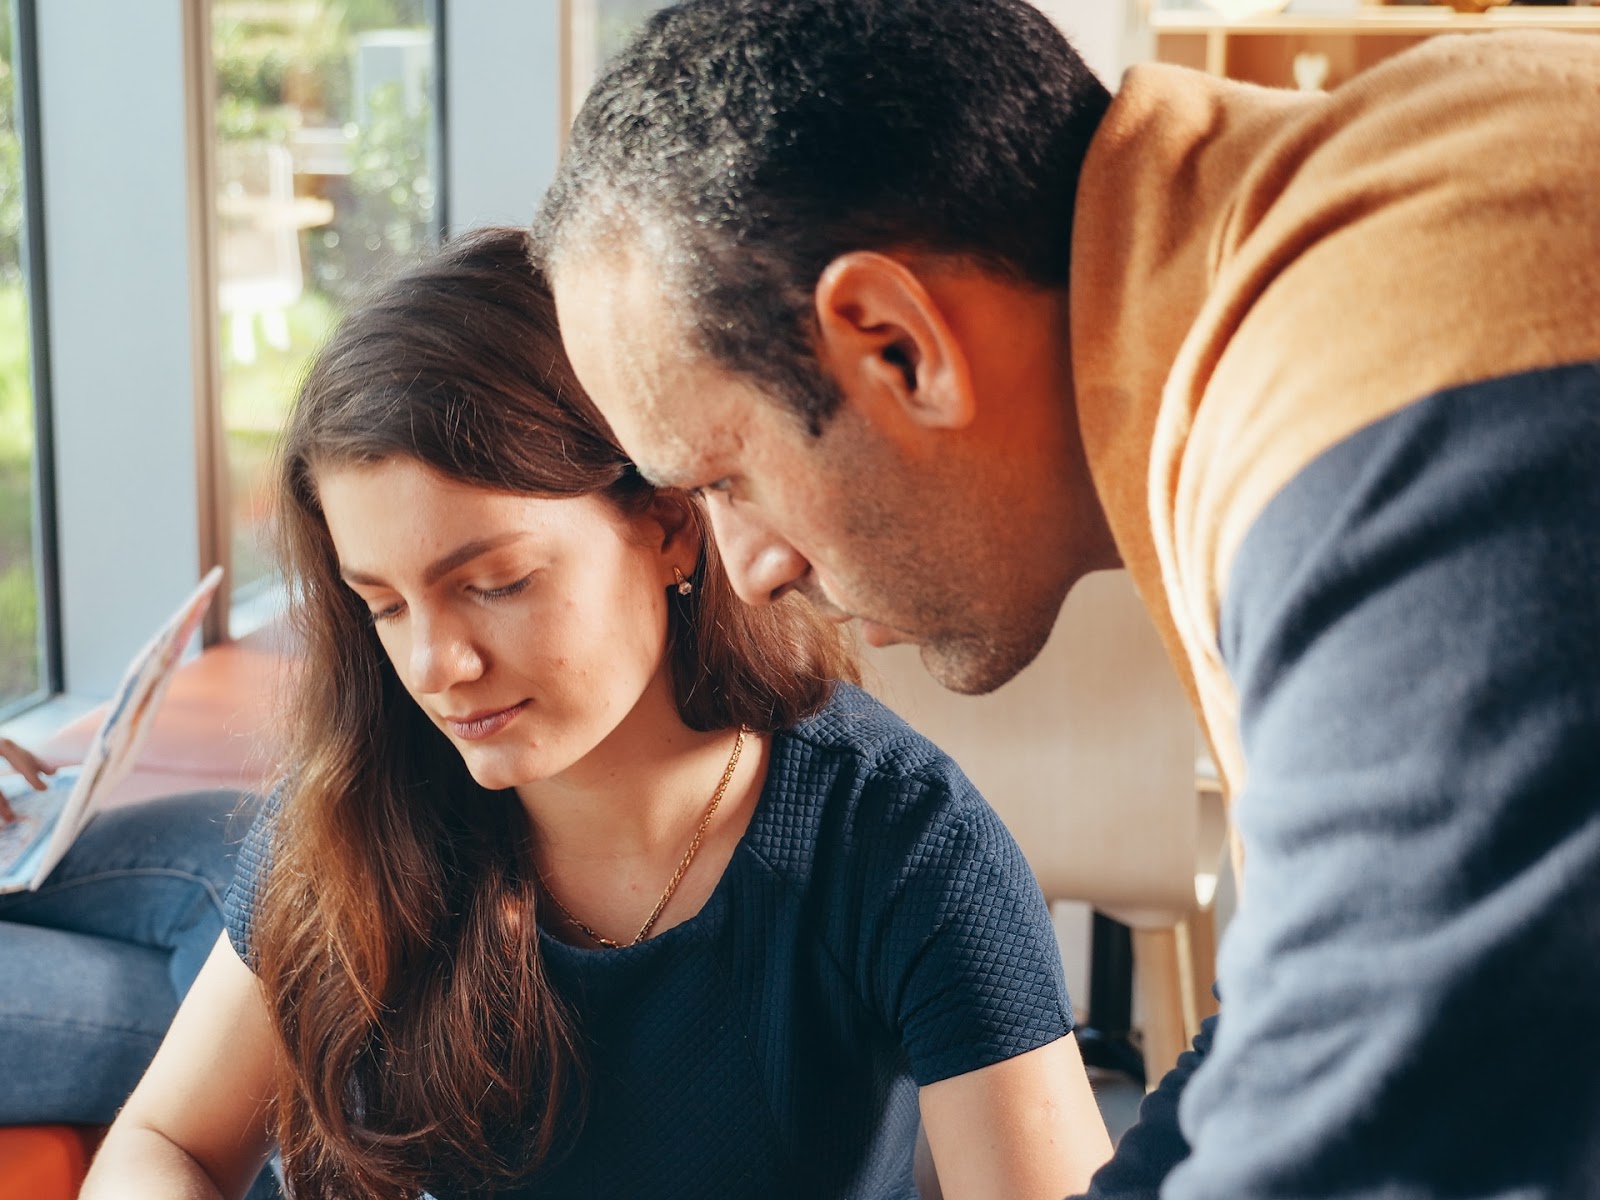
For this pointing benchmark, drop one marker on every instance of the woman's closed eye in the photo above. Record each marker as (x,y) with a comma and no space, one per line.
(505,591)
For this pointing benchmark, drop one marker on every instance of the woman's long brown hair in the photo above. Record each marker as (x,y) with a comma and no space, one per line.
(397,940)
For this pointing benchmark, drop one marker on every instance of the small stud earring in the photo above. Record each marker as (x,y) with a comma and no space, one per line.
(684,586)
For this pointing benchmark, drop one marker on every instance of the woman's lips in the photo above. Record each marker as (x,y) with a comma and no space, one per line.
(476,726)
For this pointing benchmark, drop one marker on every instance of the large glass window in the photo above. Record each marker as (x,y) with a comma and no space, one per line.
(326,169)
(22,662)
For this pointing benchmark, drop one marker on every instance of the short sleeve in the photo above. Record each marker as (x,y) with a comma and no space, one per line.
(968,968)
(250,878)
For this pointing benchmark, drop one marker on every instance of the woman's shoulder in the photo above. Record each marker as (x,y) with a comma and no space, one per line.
(252,863)
(855,732)
(855,778)
(908,880)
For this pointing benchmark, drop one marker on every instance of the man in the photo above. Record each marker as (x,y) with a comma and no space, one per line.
(938,327)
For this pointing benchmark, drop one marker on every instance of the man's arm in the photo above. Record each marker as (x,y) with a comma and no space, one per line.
(1148,1152)
(1413,627)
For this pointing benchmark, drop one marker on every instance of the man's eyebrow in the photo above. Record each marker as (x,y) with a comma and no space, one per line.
(441,567)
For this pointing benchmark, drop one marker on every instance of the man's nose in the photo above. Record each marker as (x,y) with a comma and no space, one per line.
(761,565)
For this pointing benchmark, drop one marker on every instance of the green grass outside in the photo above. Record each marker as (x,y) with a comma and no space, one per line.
(16,392)
(19,604)
(256,395)
(255,399)
(19,633)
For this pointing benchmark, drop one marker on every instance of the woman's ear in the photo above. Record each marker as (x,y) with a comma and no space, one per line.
(883,338)
(682,528)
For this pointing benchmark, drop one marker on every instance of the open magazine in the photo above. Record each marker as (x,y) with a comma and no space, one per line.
(50,821)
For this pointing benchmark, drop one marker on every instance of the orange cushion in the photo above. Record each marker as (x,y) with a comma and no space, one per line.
(44,1162)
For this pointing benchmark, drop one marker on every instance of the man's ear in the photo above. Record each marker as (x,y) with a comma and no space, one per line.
(882,336)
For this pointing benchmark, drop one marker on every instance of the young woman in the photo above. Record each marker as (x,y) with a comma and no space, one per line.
(587,880)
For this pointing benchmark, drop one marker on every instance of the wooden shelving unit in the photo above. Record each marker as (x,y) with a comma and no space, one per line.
(1264,49)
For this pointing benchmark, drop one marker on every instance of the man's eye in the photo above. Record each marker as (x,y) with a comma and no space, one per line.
(723,485)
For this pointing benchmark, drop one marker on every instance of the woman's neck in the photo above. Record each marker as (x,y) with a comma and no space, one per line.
(628,842)
(637,794)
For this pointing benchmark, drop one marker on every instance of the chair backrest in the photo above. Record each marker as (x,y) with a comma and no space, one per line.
(258,243)
(1088,756)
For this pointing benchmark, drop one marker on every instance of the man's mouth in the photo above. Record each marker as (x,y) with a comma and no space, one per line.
(878,635)
(874,633)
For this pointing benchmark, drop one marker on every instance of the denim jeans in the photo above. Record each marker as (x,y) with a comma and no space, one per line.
(93,964)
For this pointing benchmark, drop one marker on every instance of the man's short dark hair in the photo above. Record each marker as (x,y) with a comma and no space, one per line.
(760,139)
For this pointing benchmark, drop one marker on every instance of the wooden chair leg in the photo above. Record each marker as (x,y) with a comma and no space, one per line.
(1159,984)
(1198,951)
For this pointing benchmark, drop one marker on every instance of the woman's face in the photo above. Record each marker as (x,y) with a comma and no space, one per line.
(526,628)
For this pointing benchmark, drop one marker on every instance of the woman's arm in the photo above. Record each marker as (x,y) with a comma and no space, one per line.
(1021,1129)
(961,955)
(196,1126)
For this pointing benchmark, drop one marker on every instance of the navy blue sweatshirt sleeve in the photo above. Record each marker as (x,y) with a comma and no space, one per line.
(1148,1152)
(1413,979)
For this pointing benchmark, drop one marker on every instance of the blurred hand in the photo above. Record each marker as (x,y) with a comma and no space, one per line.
(26,765)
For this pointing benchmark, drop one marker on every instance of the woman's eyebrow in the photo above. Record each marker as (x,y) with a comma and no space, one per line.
(442,566)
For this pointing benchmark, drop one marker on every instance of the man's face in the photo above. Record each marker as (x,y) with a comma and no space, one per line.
(872,519)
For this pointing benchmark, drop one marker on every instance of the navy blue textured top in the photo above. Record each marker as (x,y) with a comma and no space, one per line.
(877,929)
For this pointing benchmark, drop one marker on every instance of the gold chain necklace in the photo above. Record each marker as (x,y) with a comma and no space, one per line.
(677,876)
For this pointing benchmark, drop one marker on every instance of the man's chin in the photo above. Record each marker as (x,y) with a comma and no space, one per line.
(977,666)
